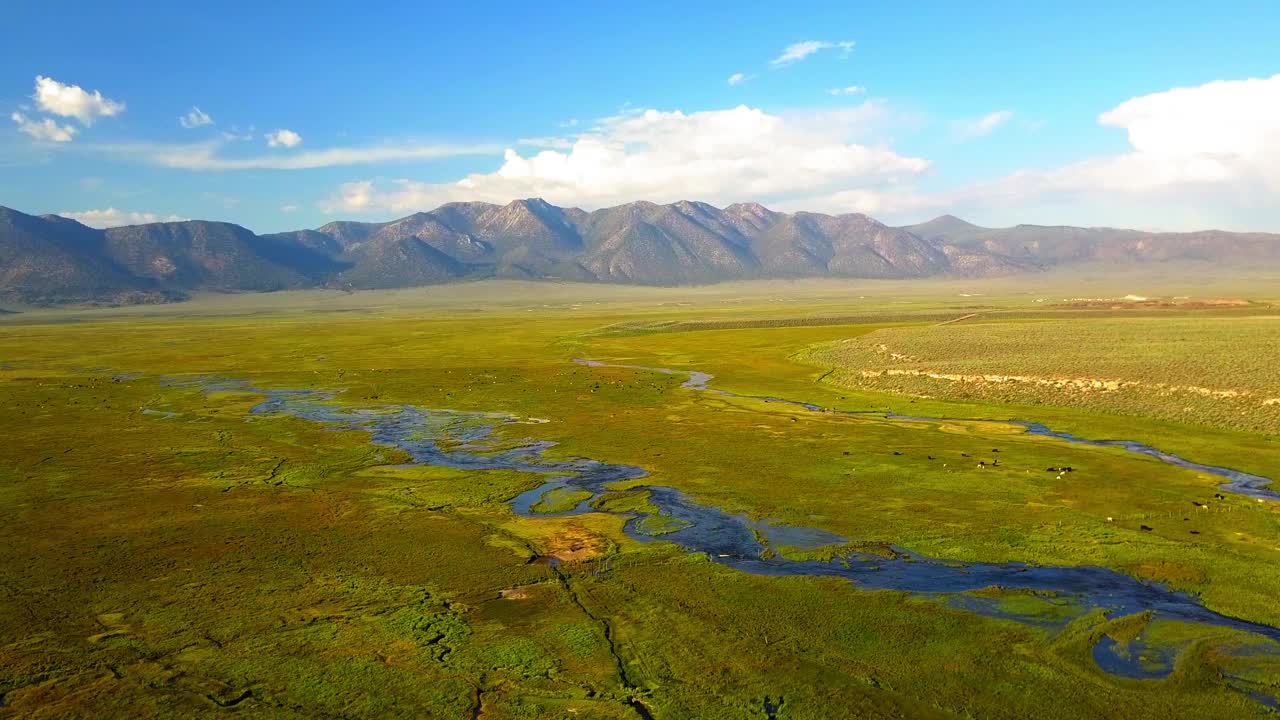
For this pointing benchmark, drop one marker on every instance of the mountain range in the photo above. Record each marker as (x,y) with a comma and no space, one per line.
(50,259)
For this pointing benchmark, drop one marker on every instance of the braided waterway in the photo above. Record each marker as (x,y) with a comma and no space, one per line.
(470,441)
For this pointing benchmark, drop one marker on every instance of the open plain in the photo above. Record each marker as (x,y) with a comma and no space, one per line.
(477,502)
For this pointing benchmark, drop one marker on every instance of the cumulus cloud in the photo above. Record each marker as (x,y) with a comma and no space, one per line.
(1203,156)
(980,127)
(64,100)
(195,118)
(1198,156)
(290,207)
(739,78)
(1218,142)
(212,156)
(45,130)
(796,52)
(847,90)
(283,138)
(111,217)
(1227,118)
(719,156)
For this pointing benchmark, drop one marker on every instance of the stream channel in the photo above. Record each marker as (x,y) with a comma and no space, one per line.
(468,441)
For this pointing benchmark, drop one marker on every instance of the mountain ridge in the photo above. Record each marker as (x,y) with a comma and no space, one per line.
(52,259)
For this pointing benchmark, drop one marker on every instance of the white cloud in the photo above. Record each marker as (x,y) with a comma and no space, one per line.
(847,90)
(1204,156)
(283,138)
(983,126)
(111,217)
(211,155)
(796,52)
(739,78)
(45,130)
(195,118)
(1199,156)
(885,204)
(291,207)
(557,143)
(1225,118)
(358,196)
(799,51)
(73,101)
(1214,143)
(718,156)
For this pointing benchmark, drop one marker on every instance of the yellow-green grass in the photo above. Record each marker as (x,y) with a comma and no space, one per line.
(558,500)
(161,565)
(1184,369)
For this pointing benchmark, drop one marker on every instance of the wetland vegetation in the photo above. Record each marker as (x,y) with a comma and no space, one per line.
(404,505)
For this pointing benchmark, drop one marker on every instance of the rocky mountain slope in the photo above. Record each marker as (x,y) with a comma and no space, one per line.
(49,259)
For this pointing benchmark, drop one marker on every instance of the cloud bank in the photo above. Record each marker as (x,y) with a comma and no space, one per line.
(719,156)
(1218,142)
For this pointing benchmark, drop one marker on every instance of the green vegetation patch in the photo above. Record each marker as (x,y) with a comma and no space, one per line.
(1217,373)
(560,499)
(166,553)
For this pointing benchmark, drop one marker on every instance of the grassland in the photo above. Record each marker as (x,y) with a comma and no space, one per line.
(1220,373)
(167,554)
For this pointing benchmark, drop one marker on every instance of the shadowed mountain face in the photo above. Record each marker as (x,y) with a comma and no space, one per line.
(51,259)
(208,255)
(56,258)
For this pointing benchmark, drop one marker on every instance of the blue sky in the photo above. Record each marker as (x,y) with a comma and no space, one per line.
(1001,112)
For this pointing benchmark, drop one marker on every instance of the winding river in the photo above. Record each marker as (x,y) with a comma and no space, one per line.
(470,441)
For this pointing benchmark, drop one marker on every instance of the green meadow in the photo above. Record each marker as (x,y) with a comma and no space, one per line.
(166,552)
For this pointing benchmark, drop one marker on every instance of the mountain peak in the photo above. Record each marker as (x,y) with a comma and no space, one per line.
(952,221)
(64,220)
(945,227)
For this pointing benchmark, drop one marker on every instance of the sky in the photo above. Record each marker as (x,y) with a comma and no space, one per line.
(288,115)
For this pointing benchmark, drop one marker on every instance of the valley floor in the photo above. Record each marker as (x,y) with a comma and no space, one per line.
(185,537)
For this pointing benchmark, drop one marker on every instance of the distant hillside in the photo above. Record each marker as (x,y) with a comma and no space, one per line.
(1062,244)
(50,259)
